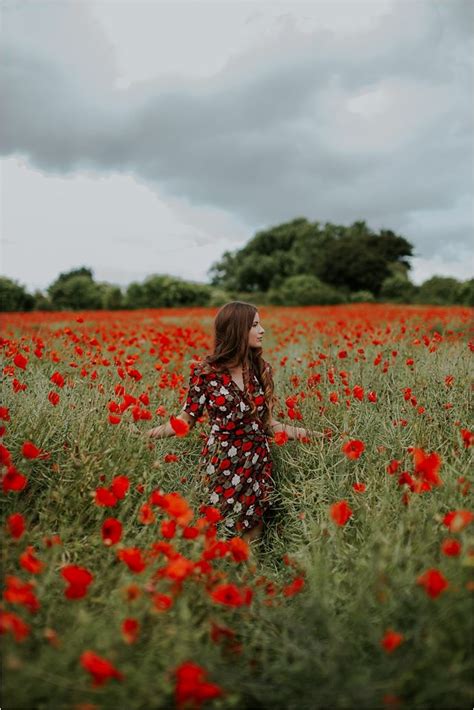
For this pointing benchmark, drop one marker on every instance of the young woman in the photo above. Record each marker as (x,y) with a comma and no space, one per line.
(236,386)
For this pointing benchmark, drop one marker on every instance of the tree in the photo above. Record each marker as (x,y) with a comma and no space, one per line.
(14,297)
(304,290)
(75,289)
(440,290)
(397,289)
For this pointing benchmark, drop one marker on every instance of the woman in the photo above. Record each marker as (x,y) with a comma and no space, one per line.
(235,384)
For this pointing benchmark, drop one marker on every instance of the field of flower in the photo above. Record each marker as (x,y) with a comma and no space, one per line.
(119,590)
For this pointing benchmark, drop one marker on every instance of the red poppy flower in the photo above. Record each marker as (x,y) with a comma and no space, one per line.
(168,528)
(57,379)
(20,361)
(130,629)
(18,592)
(228,595)
(427,467)
(100,669)
(451,547)
(13,480)
(16,525)
(53,398)
(132,556)
(353,449)
(393,466)
(162,602)
(105,497)
(213,515)
(372,397)
(391,640)
(177,568)
(340,512)
(280,438)
(9,621)
(359,487)
(78,579)
(192,689)
(120,486)
(296,586)
(434,582)
(30,451)
(179,426)
(457,520)
(239,549)
(111,531)
(5,414)
(358,392)
(467,438)
(30,562)
(113,419)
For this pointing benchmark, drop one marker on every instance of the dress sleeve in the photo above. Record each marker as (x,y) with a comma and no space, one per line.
(196,396)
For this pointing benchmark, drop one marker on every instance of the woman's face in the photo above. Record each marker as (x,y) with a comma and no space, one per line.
(256,333)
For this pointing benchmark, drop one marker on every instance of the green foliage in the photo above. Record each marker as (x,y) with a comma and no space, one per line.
(75,289)
(445,290)
(351,258)
(362,297)
(304,290)
(112,297)
(397,289)
(14,297)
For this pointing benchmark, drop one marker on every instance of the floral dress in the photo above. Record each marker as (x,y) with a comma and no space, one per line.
(236,456)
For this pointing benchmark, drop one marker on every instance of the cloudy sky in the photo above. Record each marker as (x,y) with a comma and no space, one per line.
(150,137)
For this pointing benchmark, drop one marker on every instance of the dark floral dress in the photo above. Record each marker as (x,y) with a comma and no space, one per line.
(236,456)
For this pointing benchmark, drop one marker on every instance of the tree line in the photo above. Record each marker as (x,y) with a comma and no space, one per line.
(296,263)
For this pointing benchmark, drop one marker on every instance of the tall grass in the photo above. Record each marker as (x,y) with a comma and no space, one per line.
(317,648)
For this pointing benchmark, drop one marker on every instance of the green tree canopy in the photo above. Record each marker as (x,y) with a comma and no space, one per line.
(14,297)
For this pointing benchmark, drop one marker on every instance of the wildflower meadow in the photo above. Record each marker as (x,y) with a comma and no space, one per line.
(119,589)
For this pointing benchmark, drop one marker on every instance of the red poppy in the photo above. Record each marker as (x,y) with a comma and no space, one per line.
(467,438)
(433,581)
(168,528)
(57,379)
(393,466)
(111,531)
(372,396)
(30,451)
(359,487)
(427,467)
(192,689)
(451,547)
(9,621)
(130,629)
(113,419)
(20,361)
(178,568)
(296,586)
(162,602)
(53,398)
(280,438)
(340,512)
(230,595)
(100,669)
(78,579)
(132,556)
(30,562)
(353,449)
(239,549)
(358,392)
(16,525)
(105,497)
(120,486)
(391,640)
(18,592)
(457,520)
(179,426)
(5,414)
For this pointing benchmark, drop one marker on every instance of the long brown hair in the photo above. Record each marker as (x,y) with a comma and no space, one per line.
(232,324)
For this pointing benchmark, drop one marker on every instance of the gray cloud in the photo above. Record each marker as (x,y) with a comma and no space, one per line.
(373,125)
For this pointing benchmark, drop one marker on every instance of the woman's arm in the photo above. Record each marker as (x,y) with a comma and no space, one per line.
(294,432)
(164,430)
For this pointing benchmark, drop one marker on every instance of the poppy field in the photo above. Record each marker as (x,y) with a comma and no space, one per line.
(119,589)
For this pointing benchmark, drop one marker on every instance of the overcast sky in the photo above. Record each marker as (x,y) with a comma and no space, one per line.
(150,137)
